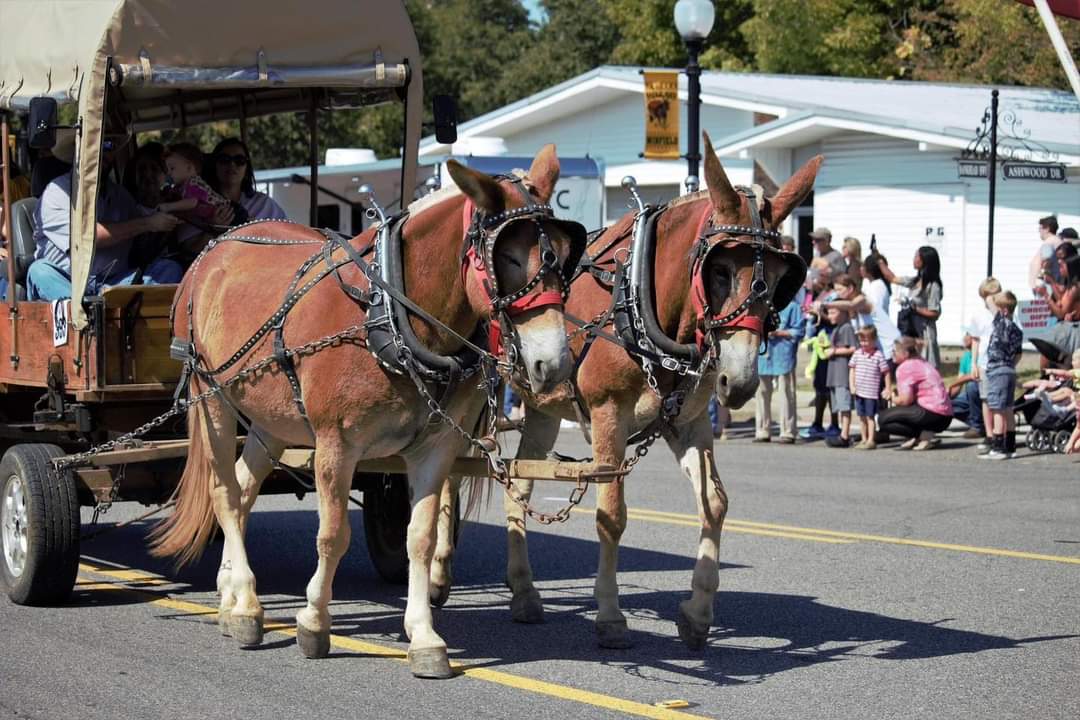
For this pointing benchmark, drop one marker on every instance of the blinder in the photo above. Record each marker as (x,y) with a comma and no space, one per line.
(713,239)
(479,254)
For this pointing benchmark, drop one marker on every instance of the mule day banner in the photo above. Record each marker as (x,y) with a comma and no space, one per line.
(661,115)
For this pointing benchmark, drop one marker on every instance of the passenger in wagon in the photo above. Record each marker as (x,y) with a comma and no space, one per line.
(229,172)
(120,223)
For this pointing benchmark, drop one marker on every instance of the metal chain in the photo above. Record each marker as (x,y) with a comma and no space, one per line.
(488,448)
(181,406)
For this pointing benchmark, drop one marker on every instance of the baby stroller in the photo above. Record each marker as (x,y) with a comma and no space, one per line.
(1049,430)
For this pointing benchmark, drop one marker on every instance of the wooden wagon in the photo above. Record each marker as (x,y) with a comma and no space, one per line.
(79,373)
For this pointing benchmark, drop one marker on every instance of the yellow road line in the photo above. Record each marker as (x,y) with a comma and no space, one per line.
(635,515)
(804,533)
(540,687)
(692,521)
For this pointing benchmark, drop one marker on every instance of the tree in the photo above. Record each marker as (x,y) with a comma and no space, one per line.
(648,36)
(985,41)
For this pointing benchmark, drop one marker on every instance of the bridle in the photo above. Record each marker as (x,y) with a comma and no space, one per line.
(712,236)
(478,256)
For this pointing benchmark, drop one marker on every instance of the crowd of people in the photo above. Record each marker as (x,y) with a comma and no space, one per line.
(889,373)
(157,207)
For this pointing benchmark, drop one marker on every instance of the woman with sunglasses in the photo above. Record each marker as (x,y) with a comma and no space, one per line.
(228,171)
(230,174)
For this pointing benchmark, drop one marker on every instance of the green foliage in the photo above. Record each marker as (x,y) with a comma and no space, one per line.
(986,41)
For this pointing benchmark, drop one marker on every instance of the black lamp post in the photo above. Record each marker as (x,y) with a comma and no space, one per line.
(693,20)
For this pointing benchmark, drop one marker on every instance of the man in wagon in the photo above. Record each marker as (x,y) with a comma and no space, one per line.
(120,222)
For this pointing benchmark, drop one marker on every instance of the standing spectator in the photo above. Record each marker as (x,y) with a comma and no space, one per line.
(965,396)
(851,251)
(979,328)
(1041,261)
(926,293)
(921,405)
(1001,358)
(842,347)
(867,367)
(826,255)
(777,366)
(1069,236)
(816,322)
(877,295)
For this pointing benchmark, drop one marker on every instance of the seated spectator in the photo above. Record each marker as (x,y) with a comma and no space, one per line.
(964,393)
(120,222)
(921,406)
(1064,299)
(189,196)
(145,174)
(52,163)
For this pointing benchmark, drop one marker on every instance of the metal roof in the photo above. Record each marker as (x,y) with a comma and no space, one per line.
(1052,116)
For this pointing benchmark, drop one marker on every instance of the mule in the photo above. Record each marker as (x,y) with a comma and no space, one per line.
(613,388)
(341,399)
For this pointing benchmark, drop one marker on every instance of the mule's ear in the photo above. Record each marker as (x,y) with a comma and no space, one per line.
(725,200)
(482,189)
(544,172)
(795,189)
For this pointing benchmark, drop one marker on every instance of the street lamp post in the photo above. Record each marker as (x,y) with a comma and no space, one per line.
(693,20)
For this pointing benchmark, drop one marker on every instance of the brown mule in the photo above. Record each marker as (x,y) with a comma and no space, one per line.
(613,388)
(356,409)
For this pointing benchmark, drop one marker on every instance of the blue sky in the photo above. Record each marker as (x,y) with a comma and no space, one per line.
(533,6)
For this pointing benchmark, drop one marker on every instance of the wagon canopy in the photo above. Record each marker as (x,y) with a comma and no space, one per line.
(169,64)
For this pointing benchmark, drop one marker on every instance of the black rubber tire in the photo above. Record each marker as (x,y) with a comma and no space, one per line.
(386,525)
(1061,441)
(52,506)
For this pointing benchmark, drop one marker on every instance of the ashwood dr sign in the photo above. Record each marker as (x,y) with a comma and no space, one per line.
(1010,170)
(1044,172)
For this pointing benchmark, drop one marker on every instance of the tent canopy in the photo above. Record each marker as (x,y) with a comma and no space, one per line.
(161,63)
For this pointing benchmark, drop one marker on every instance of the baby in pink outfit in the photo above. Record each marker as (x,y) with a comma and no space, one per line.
(192,195)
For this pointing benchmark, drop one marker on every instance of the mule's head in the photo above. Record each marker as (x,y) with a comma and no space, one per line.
(729,274)
(532,256)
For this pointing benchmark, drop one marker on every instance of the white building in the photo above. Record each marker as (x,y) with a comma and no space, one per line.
(890,159)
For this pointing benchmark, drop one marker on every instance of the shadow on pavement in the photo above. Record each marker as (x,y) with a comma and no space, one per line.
(756,635)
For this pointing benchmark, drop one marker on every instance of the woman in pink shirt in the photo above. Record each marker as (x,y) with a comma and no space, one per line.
(921,406)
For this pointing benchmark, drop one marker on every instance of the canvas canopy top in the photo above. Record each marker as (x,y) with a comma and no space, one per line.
(134,65)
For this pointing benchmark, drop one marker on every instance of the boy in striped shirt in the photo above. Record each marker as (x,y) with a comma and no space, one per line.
(866,367)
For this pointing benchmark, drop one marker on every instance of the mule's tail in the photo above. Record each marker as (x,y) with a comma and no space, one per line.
(185,534)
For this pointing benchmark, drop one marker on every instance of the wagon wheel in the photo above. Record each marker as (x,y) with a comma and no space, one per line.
(1061,440)
(386,524)
(39,526)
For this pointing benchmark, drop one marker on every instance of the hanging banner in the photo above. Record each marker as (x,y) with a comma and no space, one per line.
(661,114)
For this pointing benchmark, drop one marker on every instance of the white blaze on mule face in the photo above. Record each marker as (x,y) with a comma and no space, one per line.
(545,354)
(736,370)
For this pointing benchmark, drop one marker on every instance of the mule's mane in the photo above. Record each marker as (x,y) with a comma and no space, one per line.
(418,206)
(692,197)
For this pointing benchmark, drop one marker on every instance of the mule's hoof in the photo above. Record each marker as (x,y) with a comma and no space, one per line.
(430,663)
(223,618)
(246,630)
(692,633)
(439,594)
(314,645)
(526,607)
(613,634)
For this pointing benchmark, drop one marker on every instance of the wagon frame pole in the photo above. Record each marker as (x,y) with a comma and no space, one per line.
(5,158)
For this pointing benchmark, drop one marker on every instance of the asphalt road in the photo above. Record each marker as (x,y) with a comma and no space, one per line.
(931,585)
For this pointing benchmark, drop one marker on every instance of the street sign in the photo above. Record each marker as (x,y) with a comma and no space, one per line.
(971,168)
(1043,172)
